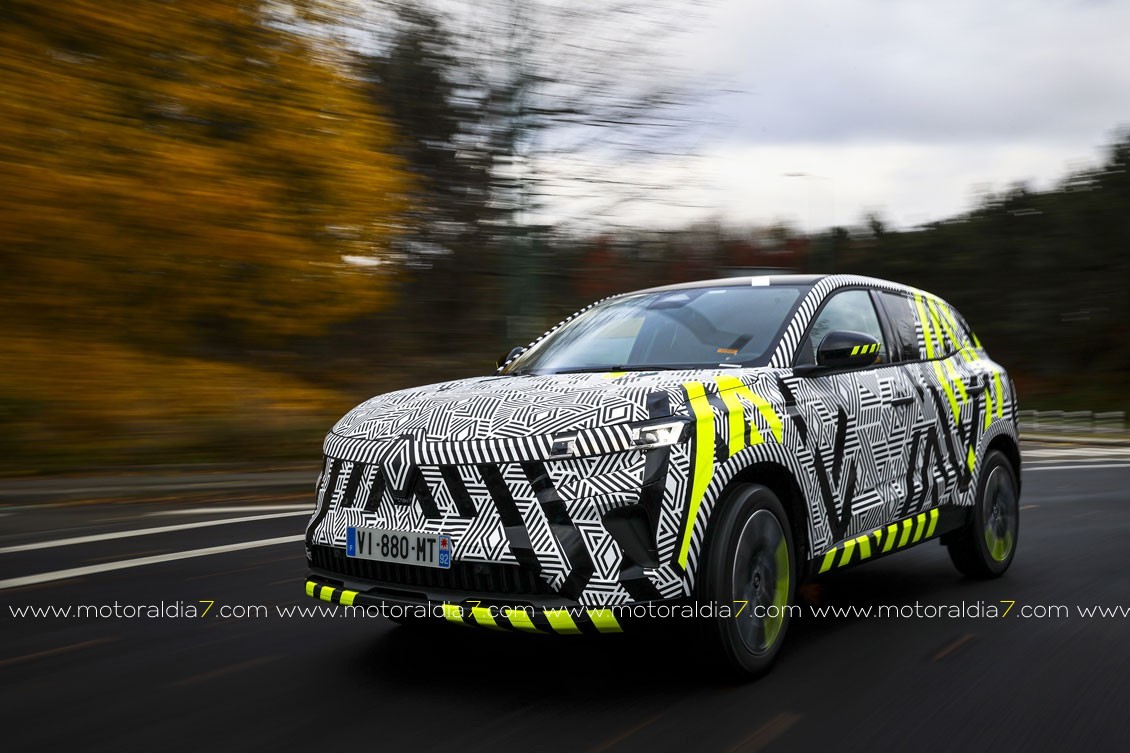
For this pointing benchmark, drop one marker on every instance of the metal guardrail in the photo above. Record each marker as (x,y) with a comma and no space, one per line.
(1072,422)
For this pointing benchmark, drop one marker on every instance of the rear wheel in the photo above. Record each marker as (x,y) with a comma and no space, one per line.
(749,569)
(984,549)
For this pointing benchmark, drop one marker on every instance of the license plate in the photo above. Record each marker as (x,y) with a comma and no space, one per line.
(423,549)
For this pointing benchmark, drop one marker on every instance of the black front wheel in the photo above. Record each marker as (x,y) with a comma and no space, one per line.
(985,548)
(748,576)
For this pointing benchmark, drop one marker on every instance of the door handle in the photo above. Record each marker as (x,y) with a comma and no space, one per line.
(975,389)
(904,400)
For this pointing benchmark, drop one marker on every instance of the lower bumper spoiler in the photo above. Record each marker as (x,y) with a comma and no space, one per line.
(492,611)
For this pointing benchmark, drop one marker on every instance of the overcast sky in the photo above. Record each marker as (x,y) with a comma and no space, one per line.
(904,107)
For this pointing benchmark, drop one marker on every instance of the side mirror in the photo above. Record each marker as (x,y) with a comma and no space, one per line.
(844,350)
(507,358)
(847,350)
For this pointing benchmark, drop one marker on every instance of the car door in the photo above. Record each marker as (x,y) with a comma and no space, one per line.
(856,417)
(953,384)
(916,445)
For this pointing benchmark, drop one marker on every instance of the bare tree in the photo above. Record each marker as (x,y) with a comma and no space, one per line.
(555,114)
(579,103)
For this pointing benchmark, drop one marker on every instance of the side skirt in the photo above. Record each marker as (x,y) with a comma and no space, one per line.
(891,538)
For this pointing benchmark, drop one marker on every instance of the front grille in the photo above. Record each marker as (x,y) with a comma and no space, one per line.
(477,577)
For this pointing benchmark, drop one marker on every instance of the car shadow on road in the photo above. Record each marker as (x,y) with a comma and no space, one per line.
(651,660)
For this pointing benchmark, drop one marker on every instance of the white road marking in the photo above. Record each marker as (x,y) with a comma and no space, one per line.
(145,532)
(1078,452)
(169,486)
(245,508)
(1074,466)
(77,572)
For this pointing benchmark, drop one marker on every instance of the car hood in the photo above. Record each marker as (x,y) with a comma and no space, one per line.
(501,407)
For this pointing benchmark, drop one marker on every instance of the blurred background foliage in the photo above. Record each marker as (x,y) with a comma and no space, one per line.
(225,222)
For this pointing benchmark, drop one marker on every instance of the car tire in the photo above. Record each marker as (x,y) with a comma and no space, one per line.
(987,544)
(748,558)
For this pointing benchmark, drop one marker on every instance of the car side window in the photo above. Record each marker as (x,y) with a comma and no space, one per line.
(904,326)
(940,331)
(849,310)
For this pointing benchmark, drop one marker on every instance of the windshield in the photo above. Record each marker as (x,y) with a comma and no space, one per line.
(676,329)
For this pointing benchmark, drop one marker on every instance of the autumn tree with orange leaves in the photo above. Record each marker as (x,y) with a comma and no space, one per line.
(175,171)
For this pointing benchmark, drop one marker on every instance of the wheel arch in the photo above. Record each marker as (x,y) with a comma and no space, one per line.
(1008,447)
(780,480)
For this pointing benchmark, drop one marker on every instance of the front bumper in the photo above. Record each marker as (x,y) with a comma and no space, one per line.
(595,531)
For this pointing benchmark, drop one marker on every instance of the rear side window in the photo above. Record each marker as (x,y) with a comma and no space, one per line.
(943,332)
(904,326)
(964,329)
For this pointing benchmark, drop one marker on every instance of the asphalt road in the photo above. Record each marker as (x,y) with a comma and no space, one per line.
(277,682)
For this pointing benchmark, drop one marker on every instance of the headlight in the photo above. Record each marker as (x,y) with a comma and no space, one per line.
(647,435)
(652,435)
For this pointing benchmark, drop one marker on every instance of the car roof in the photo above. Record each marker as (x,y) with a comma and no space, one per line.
(747,281)
(807,280)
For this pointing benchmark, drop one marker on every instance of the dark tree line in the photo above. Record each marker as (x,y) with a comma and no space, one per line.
(1043,276)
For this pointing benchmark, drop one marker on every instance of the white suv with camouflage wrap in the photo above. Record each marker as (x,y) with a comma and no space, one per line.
(712,443)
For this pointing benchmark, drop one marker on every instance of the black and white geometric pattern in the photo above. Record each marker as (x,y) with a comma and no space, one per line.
(479,459)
